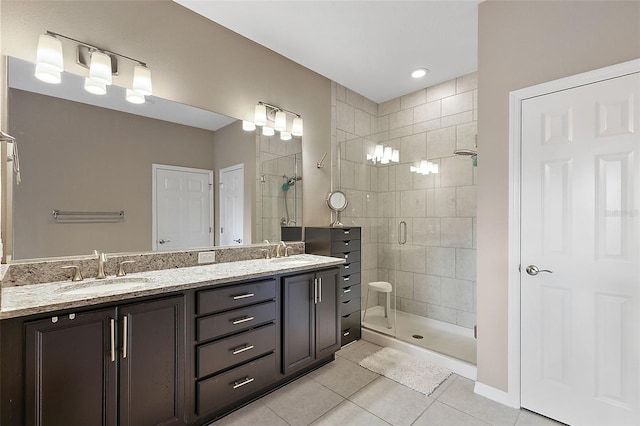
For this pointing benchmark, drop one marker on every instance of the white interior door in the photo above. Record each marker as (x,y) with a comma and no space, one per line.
(182,207)
(231,205)
(580,204)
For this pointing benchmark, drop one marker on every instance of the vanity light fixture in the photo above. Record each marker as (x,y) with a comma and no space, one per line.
(102,65)
(419,73)
(264,113)
(384,155)
(425,168)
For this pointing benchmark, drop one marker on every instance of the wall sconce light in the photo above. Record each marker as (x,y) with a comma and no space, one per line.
(384,154)
(264,113)
(425,168)
(102,65)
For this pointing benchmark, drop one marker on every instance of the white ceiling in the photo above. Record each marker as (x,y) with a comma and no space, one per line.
(370,47)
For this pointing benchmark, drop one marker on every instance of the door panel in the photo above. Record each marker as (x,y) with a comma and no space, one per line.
(580,203)
(328,314)
(232,205)
(299,316)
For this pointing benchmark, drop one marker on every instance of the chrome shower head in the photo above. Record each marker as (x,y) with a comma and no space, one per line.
(468,152)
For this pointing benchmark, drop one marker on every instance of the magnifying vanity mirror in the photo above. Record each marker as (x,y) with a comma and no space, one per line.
(337,201)
(84,153)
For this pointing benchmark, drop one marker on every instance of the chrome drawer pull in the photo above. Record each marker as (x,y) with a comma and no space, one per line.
(346,278)
(346,256)
(346,232)
(347,290)
(346,333)
(346,243)
(243,296)
(240,350)
(241,320)
(346,266)
(246,381)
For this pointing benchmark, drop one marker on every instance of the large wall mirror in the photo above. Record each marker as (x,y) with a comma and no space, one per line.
(91,157)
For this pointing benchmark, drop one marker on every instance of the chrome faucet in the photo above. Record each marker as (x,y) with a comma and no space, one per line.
(102,258)
(281,244)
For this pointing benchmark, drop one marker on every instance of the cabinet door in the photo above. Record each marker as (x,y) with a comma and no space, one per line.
(327,319)
(70,374)
(298,322)
(152,363)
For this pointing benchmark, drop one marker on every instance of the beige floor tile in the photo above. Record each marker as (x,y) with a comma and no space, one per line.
(361,352)
(343,377)
(351,346)
(349,414)
(439,414)
(391,401)
(528,418)
(253,414)
(459,394)
(301,402)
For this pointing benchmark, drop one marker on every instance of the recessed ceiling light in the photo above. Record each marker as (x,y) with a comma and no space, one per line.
(419,73)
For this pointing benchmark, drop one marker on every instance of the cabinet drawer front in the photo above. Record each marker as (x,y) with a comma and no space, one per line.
(350,306)
(341,234)
(346,245)
(222,299)
(349,256)
(233,321)
(349,292)
(349,280)
(349,268)
(350,328)
(219,391)
(234,350)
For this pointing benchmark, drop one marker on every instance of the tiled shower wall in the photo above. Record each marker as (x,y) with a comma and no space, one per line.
(434,273)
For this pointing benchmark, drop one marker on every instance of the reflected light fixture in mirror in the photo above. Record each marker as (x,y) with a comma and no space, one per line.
(265,112)
(102,65)
(425,168)
(384,154)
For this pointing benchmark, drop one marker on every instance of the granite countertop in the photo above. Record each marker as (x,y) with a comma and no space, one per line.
(39,298)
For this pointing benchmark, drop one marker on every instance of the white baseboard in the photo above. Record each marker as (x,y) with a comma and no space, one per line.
(495,394)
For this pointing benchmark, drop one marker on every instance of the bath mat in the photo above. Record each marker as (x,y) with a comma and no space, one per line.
(406,369)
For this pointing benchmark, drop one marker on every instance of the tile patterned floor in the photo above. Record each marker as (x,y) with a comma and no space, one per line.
(343,393)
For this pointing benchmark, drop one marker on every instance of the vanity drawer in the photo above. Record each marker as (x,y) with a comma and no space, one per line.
(344,246)
(349,268)
(349,292)
(348,280)
(339,234)
(234,350)
(226,388)
(222,299)
(349,306)
(234,321)
(350,328)
(349,256)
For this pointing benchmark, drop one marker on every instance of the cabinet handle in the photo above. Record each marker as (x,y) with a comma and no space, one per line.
(315,291)
(320,290)
(124,337)
(241,320)
(346,278)
(346,266)
(113,340)
(346,255)
(243,296)
(346,333)
(347,290)
(245,381)
(242,349)
(346,243)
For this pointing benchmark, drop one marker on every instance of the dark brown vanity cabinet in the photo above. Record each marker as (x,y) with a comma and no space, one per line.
(345,243)
(117,366)
(311,325)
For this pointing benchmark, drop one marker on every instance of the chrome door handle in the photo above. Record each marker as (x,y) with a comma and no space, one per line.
(164,241)
(533,270)
(113,340)
(402,236)
(125,330)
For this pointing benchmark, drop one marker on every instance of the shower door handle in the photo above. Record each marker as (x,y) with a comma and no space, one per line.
(402,232)
(239,240)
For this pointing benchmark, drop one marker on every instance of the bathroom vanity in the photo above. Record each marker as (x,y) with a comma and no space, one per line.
(172,347)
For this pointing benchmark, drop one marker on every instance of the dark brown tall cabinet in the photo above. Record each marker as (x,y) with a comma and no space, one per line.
(343,243)
(311,327)
(117,366)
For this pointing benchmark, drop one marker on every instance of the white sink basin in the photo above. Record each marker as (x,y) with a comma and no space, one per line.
(107,285)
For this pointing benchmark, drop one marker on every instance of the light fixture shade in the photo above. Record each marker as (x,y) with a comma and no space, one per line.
(100,68)
(49,54)
(134,97)
(260,117)
(281,121)
(142,80)
(285,136)
(297,127)
(384,160)
(268,131)
(47,74)
(94,87)
(388,152)
(248,126)
(379,150)
(395,155)
(435,168)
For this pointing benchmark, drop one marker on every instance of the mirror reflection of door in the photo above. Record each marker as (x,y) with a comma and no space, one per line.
(231,229)
(182,207)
